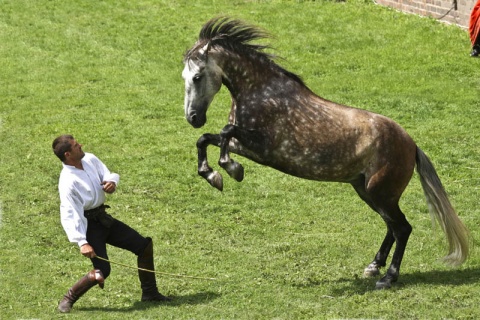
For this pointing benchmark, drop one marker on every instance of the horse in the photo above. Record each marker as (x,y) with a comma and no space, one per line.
(277,121)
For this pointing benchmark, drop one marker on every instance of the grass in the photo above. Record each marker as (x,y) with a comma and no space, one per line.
(280,247)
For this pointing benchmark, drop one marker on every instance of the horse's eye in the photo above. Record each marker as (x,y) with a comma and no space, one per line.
(197,78)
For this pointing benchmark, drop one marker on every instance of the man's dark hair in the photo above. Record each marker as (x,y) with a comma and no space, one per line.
(61,145)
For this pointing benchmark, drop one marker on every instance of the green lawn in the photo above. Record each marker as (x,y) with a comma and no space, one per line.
(109,72)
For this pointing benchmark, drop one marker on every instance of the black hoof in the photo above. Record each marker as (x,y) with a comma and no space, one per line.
(385,282)
(238,173)
(234,169)
(215,179)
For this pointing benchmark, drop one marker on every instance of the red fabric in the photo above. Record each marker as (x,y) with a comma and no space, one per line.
(475,24)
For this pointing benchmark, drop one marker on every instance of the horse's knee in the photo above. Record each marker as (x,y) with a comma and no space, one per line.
(227,131)
(201,142)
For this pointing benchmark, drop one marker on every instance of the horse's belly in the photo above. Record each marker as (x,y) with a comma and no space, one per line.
(327,162)
(319,167)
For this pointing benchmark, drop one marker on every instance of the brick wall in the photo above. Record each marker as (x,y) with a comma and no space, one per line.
(438,9)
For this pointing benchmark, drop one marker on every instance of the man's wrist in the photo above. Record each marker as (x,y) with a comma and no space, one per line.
(82,243)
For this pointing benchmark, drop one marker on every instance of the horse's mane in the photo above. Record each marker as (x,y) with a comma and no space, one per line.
(236,36)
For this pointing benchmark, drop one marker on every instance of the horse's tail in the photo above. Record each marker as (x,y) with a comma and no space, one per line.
(442,210)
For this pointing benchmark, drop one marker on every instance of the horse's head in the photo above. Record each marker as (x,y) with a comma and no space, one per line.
(203,79)
(206,63)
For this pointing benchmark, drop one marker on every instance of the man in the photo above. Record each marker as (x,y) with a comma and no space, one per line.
(474,28)
(83,182)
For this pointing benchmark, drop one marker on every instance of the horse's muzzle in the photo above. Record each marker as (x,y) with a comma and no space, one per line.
(197,121)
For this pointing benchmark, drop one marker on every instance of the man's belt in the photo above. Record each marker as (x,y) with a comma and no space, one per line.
(100,215)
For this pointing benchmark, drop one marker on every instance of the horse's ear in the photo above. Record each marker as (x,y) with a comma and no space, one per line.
(205,49)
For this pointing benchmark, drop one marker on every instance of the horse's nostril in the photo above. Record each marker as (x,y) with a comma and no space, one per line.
(192,117)
(196,120)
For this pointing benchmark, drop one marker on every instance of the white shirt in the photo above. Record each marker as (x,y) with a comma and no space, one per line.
(82,190)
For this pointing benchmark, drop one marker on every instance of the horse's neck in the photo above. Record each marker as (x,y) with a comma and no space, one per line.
(242,77)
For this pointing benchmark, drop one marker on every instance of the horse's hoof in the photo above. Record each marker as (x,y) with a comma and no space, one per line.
(233,168)
(236,171)
(371,271)
(215,179)
(385,282)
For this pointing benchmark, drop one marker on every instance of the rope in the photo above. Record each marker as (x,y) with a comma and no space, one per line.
(157,272)
(453,7)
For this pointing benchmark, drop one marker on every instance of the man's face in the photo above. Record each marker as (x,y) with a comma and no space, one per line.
(76,153)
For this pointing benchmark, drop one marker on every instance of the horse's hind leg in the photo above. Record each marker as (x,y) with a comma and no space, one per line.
(401,230)
(380,260)
(213,177)
(398,230)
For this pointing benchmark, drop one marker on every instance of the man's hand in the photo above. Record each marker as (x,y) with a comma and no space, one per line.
(87,251)
(109,186)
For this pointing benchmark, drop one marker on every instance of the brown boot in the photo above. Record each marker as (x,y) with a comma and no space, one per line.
(79,288)
(147,279)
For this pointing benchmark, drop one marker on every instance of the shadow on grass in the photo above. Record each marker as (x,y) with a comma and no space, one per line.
(451,277)
(359,285)
(192,299)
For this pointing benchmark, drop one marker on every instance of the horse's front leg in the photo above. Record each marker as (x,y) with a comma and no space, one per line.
(233,168)
(213,177)
(249,139)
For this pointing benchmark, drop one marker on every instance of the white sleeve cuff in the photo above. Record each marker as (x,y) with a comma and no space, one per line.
(82,242)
